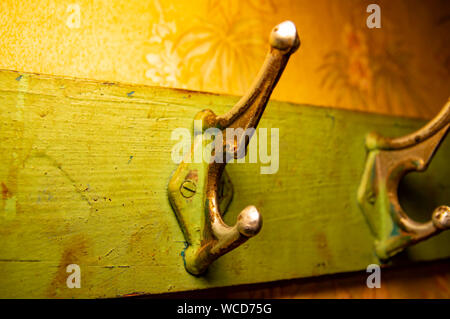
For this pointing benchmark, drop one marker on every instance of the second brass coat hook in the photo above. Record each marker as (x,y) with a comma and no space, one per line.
(388,160)
(200,192)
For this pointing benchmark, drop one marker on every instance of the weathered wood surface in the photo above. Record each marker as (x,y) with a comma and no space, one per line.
(84,168)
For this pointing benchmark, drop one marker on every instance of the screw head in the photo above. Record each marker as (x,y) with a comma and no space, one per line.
(188,189)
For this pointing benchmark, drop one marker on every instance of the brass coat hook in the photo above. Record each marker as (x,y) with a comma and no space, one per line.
(389,159)
(200,192)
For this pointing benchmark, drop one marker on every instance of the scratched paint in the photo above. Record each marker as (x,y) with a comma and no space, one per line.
(10,202)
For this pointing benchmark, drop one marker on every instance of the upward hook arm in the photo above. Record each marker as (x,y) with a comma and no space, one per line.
(440,121)
(200,216)
(247,112)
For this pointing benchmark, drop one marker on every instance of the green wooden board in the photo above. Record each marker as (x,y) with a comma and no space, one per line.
(84,168)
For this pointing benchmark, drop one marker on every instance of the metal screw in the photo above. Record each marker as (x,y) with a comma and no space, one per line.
(188,188)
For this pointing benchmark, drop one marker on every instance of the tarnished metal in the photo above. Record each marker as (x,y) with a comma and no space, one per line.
(389,159)
(199,210)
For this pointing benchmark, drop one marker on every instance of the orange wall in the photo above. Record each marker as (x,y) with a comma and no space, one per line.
(218,45)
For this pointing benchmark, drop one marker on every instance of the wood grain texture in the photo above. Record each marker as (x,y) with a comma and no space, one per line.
(84,168)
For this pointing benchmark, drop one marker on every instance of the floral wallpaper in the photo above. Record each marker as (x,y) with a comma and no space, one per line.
(402,68)
(371,75)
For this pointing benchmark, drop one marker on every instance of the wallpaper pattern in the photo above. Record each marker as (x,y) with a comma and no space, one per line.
(218,46)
